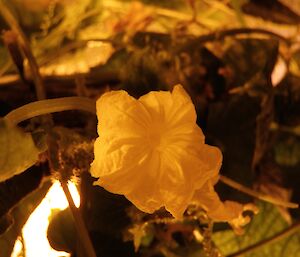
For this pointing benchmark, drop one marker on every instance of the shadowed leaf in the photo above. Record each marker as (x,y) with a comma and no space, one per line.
(17,151)
(61,231)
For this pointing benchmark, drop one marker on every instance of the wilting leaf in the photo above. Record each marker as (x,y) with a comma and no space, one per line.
(264,225)
(17,150)
(20,214)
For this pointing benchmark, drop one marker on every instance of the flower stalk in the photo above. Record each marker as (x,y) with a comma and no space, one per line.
(47,106)
(79,223)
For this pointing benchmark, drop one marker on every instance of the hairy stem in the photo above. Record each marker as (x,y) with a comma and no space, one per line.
(79,223)
(249,191)
(281,235)
(42,107)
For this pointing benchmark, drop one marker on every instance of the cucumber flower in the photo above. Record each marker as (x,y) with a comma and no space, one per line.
(152,151)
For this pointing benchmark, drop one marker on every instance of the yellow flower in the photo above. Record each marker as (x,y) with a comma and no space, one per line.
(152,151)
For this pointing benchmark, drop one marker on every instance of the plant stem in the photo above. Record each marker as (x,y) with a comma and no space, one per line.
(79,223)
(249,191)
(43,107)
(47,106)
(289,231)
(25,46)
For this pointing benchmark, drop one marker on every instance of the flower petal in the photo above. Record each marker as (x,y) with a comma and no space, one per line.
(216,209)
(119,115)
(121,132)
(173,109)
(228,211)
(115,156)
(152,151)
(175,188)
(199,162)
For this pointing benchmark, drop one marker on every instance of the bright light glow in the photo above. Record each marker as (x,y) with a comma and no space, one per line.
(17,248)
(279,72)
(35,229)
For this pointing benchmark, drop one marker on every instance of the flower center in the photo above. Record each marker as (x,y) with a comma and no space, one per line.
(154,140)
(155,137)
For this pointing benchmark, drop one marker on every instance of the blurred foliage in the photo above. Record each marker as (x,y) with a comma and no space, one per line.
(226,55)
(159,234)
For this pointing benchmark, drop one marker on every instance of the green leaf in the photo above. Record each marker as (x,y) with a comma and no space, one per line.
(266,224)
(20,214)
(17,150)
